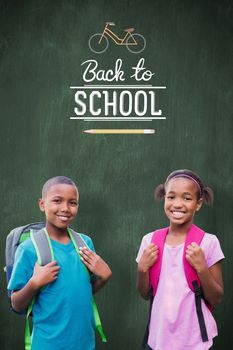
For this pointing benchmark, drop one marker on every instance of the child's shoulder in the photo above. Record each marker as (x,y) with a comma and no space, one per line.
(212,248)
(146,239)
(26,253)
(27,246)
(209,239)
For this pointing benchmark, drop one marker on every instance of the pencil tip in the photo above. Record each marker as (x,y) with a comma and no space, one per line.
(87,131)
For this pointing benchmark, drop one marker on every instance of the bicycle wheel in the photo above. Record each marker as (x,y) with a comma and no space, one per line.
(96,46)
(140,40)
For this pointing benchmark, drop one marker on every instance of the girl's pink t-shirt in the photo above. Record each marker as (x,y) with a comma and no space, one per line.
(174,324)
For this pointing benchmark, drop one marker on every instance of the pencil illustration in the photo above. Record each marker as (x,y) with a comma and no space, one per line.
(120,131)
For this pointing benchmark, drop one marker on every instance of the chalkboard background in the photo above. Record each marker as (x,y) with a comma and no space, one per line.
(189,47)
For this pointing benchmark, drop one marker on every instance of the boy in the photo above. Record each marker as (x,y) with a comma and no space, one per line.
(63,312)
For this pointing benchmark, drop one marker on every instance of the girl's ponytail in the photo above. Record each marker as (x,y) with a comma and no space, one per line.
(160,192)
(208,195)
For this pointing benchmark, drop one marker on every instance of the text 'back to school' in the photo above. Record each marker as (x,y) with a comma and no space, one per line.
(105,92)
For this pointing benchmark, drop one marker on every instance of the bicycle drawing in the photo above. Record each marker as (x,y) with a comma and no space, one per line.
(98,43)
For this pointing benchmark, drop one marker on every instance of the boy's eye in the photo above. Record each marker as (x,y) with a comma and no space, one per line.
(56,200)
(73,203)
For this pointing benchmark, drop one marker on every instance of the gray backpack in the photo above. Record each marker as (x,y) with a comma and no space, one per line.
(41,241)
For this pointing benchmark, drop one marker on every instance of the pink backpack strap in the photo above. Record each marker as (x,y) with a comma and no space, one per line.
(158,238)
(195,234)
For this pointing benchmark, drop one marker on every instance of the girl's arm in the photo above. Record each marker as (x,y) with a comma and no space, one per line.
(96,265)
(212,283)
(143,283)
(147,260)
(211,278)
(42,275)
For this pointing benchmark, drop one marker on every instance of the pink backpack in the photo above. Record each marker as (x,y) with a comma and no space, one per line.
(195,234)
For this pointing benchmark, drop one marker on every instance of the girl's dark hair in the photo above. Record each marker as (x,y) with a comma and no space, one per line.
(206,193)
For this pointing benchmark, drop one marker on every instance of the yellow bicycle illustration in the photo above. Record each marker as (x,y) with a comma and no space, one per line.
(98,43)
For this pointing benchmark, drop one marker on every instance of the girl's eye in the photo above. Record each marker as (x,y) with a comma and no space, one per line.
(170,197)
(188,198)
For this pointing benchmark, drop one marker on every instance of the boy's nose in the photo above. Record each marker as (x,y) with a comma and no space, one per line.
(65,207)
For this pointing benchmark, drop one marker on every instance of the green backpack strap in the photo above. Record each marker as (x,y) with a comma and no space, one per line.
(78,243)
(27,337)
(44,252)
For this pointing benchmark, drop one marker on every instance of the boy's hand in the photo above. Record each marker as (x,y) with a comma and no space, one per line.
(95,263)
(149,257)
(196,257)
(43,275)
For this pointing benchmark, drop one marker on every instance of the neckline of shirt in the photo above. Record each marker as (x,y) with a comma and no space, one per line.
(169,246)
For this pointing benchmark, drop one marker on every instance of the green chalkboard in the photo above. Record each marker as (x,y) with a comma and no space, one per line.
(189,49)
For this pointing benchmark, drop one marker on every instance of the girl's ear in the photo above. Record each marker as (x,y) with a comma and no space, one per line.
(199,204)
(41,204)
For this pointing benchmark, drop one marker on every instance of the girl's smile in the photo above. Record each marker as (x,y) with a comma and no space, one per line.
(177,214)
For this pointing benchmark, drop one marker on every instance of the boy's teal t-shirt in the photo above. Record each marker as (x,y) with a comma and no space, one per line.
(63,312)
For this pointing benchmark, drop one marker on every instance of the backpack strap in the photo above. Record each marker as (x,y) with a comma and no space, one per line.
(43,247)
(45,255)
(158,238)
(195,234)
(79,242)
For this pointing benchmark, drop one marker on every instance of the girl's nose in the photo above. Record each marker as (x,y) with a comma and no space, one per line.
(177,203)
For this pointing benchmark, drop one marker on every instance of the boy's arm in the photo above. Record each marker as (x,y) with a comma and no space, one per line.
(22,298)
(42,275)
(97,266)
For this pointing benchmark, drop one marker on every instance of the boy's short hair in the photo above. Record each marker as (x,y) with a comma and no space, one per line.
(57,180)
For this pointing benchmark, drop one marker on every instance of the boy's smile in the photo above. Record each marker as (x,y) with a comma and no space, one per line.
(60,204)
(181,201)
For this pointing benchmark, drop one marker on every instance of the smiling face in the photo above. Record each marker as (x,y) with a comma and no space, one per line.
(60,205)
(181,201)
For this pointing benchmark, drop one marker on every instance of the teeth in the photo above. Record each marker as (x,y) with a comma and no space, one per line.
(63,217)
(178,214)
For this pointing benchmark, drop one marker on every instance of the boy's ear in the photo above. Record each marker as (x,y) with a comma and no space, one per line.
(41,204)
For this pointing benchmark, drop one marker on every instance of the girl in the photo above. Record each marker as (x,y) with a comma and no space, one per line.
(174,322)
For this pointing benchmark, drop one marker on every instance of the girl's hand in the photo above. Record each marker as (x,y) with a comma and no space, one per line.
(196,257)
(149,257)
(95,263)
(43,275)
